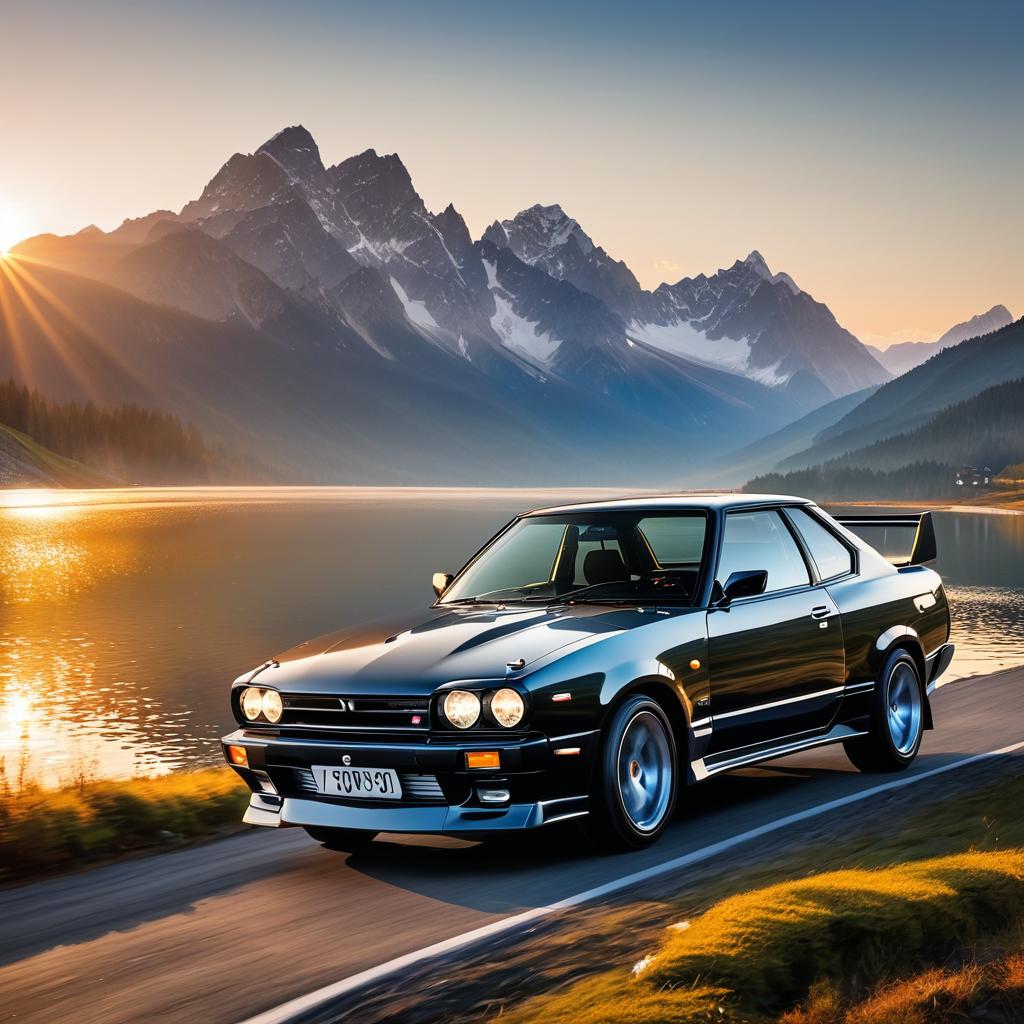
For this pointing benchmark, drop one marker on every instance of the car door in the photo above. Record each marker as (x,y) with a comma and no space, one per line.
(776,661)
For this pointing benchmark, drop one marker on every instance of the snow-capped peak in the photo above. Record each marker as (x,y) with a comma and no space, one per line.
(562,226)
(295,151)
(757,263)
(541,230)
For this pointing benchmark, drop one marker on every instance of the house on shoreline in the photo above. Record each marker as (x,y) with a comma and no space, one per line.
(972,476)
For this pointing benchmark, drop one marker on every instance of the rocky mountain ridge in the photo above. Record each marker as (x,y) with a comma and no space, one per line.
(341,272)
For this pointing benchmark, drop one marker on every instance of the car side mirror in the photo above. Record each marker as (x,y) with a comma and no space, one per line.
(441,581)
(747,583)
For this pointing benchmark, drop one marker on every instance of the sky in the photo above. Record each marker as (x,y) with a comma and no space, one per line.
(874,151)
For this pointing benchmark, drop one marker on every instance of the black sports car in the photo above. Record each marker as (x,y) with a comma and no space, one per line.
(591,660)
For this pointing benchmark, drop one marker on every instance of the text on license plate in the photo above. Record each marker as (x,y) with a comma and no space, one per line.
(364,783)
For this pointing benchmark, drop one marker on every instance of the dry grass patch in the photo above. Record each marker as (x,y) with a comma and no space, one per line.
(43,829)
(755,955)
(990,992)
(603,1001)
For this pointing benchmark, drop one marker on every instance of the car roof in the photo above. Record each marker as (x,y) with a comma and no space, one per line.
(671,502)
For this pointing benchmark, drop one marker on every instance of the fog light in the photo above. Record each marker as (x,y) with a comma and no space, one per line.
(493,796)
(238,755)
(483,759)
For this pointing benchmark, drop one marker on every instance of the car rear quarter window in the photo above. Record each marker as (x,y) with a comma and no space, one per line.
(830,556)
(761,540)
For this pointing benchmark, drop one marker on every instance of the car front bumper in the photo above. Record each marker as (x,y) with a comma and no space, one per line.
(543,786)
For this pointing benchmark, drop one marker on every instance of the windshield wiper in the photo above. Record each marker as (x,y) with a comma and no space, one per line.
(573,594)
(491,597)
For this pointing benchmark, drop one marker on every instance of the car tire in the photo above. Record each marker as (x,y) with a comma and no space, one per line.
(896,720)
(637,776)
(343,840)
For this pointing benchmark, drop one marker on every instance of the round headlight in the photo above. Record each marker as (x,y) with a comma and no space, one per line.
(252,703)
(507,707)
(273,709)
(462,708)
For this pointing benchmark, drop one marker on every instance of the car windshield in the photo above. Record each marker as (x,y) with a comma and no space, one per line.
(598,557)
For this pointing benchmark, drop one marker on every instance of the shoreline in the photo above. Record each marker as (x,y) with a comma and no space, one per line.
(955,507)
(14,498)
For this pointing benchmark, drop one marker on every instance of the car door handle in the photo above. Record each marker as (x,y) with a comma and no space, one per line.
(821,612)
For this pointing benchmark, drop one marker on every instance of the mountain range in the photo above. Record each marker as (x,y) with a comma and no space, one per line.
(324,320)
(962,450)
(891,426)
(906,355)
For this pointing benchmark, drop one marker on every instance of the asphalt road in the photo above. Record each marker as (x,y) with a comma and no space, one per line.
(221,932)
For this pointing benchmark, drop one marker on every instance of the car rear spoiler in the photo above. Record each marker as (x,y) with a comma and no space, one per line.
(924,548)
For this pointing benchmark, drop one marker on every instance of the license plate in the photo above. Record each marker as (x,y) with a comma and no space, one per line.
(357,783)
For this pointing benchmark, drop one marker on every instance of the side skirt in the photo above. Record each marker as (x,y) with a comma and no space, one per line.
(703,767)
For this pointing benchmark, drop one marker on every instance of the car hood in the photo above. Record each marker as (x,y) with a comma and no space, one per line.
(413,655)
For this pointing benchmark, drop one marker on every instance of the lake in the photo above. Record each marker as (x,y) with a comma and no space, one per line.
(125,615)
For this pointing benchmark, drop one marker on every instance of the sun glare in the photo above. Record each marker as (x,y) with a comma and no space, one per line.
(15,225)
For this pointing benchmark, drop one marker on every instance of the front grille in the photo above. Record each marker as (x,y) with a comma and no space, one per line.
(420,788)
(385,713)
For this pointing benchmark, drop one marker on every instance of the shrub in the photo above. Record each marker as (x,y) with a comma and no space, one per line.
(44,829)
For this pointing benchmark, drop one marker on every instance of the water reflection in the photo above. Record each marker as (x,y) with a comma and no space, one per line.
(49,554)
(59,721)
(988,629)
(122,620)
(124,616)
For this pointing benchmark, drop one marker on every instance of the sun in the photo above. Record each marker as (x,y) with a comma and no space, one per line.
(15,224)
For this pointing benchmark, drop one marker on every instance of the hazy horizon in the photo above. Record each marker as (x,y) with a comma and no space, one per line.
(870,153)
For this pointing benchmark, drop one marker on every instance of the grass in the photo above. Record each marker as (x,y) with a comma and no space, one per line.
(1008,497)
(822,940)
(992,990)
(47,830)
(64,471)
(922,923)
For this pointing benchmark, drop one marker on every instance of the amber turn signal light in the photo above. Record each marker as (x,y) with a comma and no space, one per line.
(483,759)
(238,755)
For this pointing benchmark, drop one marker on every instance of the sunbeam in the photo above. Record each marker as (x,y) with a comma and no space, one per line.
(52,315)
(68,357)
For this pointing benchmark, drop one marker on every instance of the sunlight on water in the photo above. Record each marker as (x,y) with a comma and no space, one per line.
(124,615)
(988,629)
(59,723)
(48,554)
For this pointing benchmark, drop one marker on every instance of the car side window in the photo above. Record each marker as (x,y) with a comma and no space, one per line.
(830,556)
(761,540)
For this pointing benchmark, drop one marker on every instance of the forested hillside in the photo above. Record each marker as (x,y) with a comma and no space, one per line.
(922,481)
(126,442)
(987,430)
(952,376)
